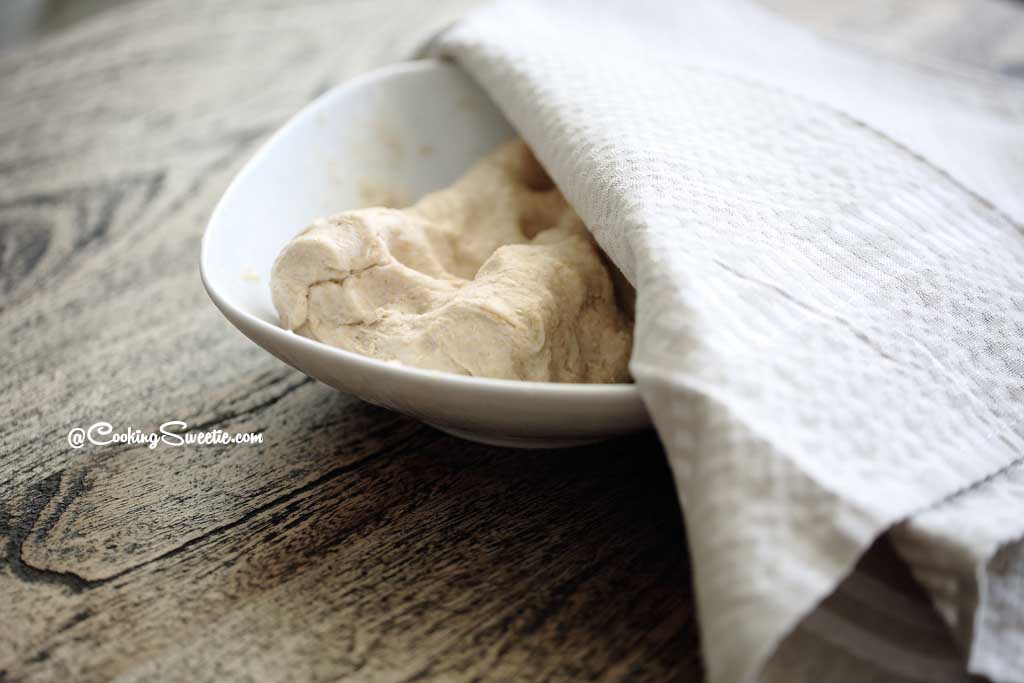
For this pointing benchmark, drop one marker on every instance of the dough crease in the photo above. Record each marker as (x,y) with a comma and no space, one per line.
(493,276)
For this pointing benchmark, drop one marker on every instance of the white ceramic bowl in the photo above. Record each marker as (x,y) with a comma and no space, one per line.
(398,132)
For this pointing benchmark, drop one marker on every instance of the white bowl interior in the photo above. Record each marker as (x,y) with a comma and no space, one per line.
(401,137)
(397,133)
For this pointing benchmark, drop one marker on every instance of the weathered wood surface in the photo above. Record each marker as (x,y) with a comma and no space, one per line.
(353,544)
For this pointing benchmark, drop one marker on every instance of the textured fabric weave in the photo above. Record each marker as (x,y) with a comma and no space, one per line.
(830,334)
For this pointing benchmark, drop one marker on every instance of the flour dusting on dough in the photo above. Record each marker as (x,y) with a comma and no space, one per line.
(494,276)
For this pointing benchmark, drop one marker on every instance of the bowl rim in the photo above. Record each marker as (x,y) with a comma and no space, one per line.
(400,371)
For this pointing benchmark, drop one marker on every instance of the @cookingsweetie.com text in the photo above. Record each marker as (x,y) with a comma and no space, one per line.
(173,433)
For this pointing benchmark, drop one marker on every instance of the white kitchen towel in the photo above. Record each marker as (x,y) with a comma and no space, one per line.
(829,266)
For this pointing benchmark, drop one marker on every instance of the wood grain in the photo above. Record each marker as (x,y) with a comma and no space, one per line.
(353,544)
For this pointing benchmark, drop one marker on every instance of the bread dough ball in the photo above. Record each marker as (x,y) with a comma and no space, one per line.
(494,276)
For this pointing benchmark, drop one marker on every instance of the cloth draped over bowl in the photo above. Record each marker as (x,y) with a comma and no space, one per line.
(829,262)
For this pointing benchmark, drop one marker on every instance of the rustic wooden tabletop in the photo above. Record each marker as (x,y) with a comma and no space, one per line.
(353,543)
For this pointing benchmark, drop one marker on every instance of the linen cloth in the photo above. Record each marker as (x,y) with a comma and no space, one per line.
(829,262)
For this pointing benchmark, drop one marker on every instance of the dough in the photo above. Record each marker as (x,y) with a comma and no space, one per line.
(494,276)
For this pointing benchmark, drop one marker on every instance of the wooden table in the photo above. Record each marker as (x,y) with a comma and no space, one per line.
(353,544)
